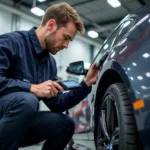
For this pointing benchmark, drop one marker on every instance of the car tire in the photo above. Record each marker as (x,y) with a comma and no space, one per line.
(116,129)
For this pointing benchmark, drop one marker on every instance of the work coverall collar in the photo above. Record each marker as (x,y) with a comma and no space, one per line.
(35,40)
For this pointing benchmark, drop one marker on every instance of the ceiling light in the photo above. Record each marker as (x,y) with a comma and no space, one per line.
(144,87)
(137,92)
(106,46)
(131,78)
(93,34)
(140,77)
(134,64)
(37,11)
(148,74)
(114,3)
(128,69)
(126,24)
(146,55)
(113,54)
(41,0)
(123,50)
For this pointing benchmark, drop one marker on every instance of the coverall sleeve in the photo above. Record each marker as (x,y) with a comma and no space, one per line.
(8,48)
(65,101)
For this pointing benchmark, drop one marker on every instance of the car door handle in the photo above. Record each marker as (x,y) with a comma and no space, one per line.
(100,63)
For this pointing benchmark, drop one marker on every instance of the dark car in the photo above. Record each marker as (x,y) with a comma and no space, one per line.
(116,113)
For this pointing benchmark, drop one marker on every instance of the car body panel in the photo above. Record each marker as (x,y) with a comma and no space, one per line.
(129,59)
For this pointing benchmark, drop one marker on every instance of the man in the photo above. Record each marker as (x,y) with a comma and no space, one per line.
(28,74)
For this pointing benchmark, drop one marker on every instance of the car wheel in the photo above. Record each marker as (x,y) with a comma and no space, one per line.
(116,128)
(69,145)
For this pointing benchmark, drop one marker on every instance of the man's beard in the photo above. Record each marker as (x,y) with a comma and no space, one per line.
(49,45)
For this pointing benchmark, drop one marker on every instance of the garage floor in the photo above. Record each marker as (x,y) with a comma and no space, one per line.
(36,147)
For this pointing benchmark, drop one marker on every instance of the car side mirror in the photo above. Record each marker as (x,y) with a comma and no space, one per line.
(76,68)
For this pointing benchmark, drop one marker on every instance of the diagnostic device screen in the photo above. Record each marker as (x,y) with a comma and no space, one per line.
(70,83)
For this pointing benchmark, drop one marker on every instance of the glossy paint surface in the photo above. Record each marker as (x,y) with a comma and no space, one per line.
(129,59)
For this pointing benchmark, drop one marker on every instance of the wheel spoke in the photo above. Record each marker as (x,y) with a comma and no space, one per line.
(115,137)
(110,121)
(103,124)
(102,141)
(115,142)
(116,133)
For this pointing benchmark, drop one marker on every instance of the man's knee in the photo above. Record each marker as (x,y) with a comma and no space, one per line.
(26,103)
(70,123)
(30,102)
(63,123)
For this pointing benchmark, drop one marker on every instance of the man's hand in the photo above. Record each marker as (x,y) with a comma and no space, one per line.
(92,75)
(46,89)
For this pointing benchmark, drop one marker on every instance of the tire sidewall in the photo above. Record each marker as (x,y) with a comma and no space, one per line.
(117,91)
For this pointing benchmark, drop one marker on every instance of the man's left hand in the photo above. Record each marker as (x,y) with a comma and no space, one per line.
(92,75)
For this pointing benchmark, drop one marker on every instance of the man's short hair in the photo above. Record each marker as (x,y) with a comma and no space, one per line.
(63,13)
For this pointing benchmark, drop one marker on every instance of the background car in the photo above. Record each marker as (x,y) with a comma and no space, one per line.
(116,113)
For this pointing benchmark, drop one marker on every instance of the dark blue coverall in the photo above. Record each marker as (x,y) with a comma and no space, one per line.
(22,63)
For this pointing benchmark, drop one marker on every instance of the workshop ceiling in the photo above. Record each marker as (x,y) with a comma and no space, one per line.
(97,15)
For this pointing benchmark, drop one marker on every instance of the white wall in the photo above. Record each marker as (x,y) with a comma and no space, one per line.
(5,22)
(25,24)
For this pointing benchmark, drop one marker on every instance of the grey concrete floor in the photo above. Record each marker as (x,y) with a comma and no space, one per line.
(36,147)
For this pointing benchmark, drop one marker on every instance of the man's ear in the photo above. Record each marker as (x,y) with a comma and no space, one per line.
(51,25)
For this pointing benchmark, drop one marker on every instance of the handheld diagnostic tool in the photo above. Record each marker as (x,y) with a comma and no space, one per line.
(69,84)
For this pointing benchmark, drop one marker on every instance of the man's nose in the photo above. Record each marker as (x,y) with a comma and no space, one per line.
(66,44)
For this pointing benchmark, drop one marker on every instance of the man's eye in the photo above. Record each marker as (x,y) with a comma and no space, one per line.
(66,38)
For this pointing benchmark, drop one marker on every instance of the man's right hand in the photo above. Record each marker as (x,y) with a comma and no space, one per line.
(46,89)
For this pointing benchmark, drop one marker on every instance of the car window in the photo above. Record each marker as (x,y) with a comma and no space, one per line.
(125,28)
(113,39)
(108,44)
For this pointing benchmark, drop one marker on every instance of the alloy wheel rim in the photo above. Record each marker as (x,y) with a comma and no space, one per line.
(108,127)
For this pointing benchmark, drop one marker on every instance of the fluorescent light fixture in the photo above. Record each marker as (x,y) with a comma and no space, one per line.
(41,0)
(113,54)
(123,50)
(114,3)
(140,77)
(37,11)
(123,41)
(106,46)
(92,34)
(146,55)
(148,74)
(128,69)
(144,87)
(137,92)
(132,78)
(134,64)
(126,24)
